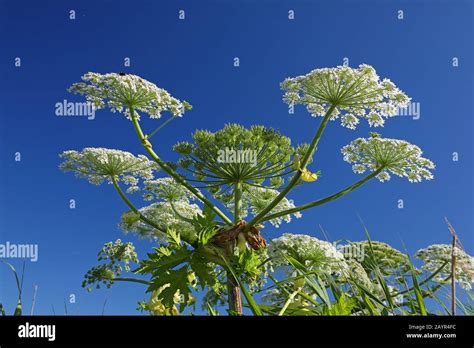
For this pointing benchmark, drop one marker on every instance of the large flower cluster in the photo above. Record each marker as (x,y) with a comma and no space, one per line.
(436,255)
(166,215)
(99,164)
(374,254)
(237,154)
(255,199)
(122,91)
(395,156)
(355,93)
(312,251)
(349,264)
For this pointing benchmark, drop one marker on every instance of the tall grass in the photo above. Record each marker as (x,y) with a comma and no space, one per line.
(19,285)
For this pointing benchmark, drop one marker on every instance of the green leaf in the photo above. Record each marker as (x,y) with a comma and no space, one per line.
(18,308)
(205,225)
(315,284)
(418,292)
(204,271)
(19,284)
(174,238)
(162,261)
(249,262)
(370,305)
(343,306)
(211,311)
(174,280)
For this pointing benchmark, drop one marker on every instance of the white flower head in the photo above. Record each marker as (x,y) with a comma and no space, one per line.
(121,91)
(167,189)
(99,164)
(436,255)
(255,199)
(398,157)
(356,93)
(165,215)
(306,249)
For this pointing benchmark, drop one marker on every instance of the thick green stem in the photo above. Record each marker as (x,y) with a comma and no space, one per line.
(233,289)
(304,162)
(324,200)
(237,202)
(170,170)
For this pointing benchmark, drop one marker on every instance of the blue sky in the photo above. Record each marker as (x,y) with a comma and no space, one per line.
(193,60)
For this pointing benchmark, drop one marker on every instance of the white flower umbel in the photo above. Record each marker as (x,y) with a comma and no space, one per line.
(255,199)
(122,91)
(317,254)
(435,255)
(167,189)
(395,156)
(165,215)
(355,93)
(99,164)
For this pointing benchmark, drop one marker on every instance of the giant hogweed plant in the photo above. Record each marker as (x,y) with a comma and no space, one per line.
(206,214)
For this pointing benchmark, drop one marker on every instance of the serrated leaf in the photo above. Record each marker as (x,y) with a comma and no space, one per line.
(171,282)
(203,270)
(160,263)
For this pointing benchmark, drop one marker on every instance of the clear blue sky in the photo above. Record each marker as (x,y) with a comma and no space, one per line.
(193,60)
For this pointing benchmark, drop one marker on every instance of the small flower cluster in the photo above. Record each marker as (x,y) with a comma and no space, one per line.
(394,156)
(122,91)
(255,199)
(436,255)
(99,164)
(167,215)
(118,257)
(355,94)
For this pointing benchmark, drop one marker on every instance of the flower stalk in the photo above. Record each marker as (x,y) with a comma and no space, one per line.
(304,162)
(321,201)
(170,170)
(133,208)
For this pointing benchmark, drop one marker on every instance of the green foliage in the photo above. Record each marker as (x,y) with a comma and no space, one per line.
(19,284)
(205,225)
